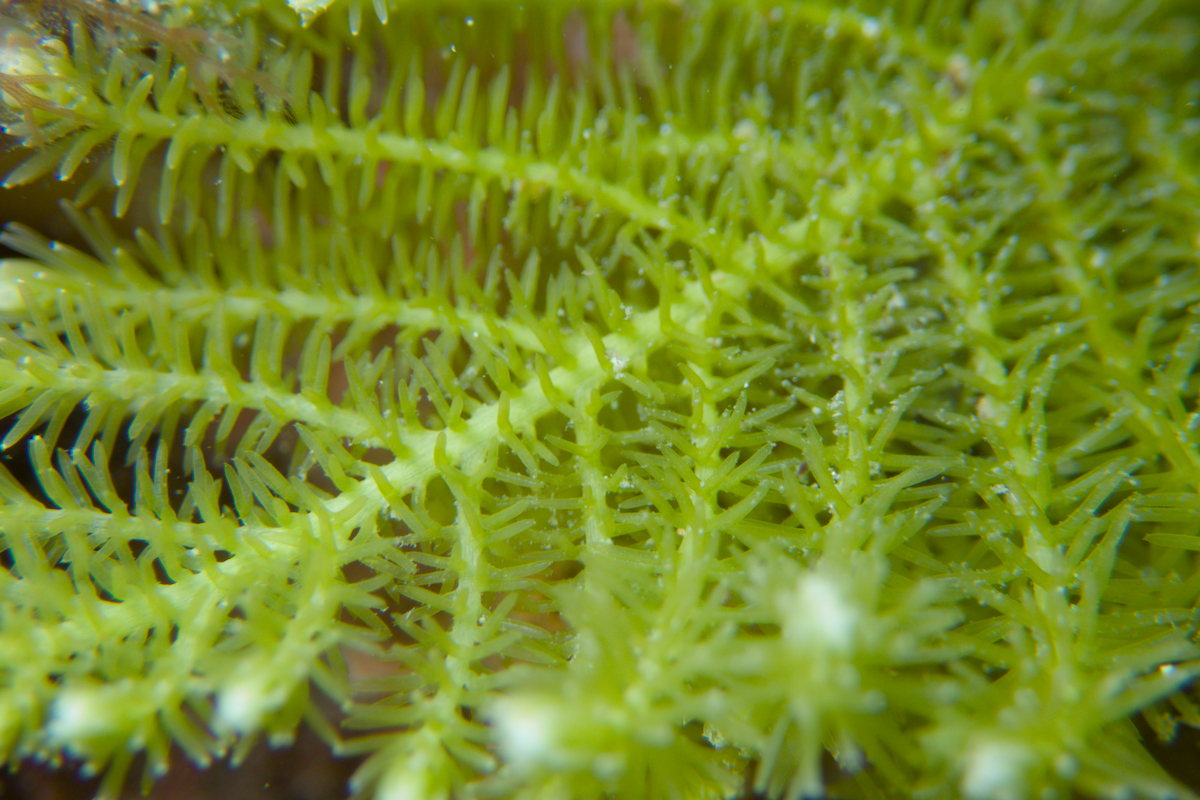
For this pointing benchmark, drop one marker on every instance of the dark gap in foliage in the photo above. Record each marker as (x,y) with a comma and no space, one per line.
(439,502)
(899,209)
(565,570)
(305,770)
(1176,755)
(618,416)
(279,451)
(19,462)
(38,204)
(627,540)
(394,606)
(121,466)
(663,369)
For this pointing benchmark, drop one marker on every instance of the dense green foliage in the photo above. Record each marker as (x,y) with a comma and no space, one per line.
(644,400)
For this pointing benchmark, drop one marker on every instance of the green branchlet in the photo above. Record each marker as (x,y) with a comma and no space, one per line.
(657,399)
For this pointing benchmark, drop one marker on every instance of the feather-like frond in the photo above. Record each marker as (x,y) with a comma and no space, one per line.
(654,397)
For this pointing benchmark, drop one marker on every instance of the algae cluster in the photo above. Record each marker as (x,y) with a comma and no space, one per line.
(658,399)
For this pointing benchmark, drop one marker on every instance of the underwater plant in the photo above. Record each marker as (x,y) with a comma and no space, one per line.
(669,399)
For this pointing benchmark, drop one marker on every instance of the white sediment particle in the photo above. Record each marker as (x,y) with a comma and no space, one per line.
(996,770)
(745,130)
(242,704)
(986,408)
(619,362)
(526,731)
(76,716)
(818,613)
